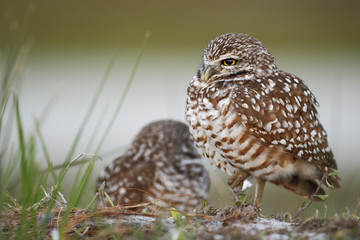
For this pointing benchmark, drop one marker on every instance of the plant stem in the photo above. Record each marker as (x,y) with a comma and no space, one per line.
(302,209)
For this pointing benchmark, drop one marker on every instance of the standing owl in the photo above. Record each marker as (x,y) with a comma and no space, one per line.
(161,166)
(249,118)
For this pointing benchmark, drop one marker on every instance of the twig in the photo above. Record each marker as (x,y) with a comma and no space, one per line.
(86,230)
(62,198)
(305,222)
(74,162)
(302,209)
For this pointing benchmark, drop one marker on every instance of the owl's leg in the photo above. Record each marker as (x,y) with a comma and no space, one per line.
(237,179)
(260,184)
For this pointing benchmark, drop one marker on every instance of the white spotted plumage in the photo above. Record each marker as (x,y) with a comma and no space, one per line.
(253,117)
(161,166)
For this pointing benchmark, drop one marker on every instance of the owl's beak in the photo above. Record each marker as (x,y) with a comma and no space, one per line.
(209,72)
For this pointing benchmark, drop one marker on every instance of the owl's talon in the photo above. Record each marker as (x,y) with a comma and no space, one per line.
(237,179)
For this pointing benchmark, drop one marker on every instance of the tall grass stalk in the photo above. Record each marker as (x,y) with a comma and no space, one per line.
(79,188)
(90,109)
(50,166)
(98,125)
(69,160)
(125,92)
(32,178)
(25,184)
(10,71)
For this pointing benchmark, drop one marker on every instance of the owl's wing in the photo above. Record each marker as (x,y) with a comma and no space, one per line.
(281,110)
(131,182)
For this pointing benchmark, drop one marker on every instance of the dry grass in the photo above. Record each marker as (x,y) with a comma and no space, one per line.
(81,223)
(129,222)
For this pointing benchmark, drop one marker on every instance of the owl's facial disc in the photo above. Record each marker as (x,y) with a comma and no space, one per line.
(223,67)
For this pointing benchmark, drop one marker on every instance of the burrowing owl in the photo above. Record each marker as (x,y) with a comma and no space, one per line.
(249,118)
(161,166)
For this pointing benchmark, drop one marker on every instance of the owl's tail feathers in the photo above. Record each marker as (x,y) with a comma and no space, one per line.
(303,187)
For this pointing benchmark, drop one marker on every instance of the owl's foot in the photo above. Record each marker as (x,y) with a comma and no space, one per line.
(237,179)
(260,184)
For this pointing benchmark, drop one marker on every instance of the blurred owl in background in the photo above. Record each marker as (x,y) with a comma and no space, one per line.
(161,166)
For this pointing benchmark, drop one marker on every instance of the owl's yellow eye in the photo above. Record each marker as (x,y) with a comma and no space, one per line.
(229,62)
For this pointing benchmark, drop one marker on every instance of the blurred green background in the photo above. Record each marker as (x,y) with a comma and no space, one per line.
(319,41)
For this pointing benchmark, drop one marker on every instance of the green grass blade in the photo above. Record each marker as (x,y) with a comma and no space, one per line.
(78,190)
(29,171)
(99,123)
(125,92)
(50,169)
(77,193)
(5,177)
(25,187)
(3,106)
(90,109)
(68,160)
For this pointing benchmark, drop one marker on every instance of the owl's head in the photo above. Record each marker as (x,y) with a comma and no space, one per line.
(236,56)
(168,137)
